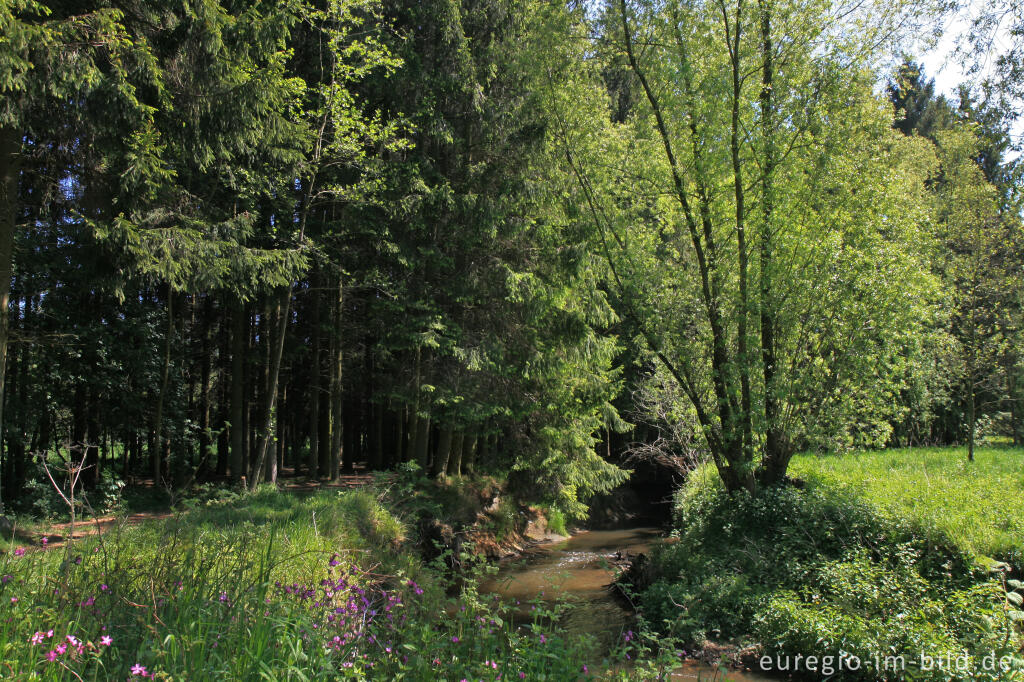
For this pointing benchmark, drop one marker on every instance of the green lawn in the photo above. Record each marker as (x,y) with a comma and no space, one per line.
(980,505)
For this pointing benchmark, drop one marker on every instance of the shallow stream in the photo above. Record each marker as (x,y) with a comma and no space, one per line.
(579,570)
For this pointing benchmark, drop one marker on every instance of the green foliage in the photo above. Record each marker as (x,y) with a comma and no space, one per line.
(224,592)
(978,506)
(818,571)
(773,286)
(556,522)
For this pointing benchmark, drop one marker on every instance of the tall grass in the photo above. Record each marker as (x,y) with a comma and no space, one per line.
(980,505)
(268,586)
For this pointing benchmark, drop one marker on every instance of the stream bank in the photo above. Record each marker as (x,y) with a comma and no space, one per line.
(579,571)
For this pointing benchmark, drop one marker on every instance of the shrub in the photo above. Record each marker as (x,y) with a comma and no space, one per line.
(817,572)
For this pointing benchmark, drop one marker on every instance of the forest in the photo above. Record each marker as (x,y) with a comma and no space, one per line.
(468,262)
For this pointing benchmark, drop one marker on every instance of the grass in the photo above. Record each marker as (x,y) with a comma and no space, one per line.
(264,586)
(876,556)
(980,505)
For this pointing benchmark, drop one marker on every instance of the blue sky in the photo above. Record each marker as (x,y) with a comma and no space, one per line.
(942,62)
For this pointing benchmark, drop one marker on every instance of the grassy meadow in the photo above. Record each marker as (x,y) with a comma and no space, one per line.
(877,555)
(980,505)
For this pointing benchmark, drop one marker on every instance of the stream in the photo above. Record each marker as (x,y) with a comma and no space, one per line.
(578,569)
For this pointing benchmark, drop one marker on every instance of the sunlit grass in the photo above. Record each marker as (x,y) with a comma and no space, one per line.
(980,505)
(264,586)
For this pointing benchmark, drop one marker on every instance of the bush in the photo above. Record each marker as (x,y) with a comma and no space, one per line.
(818,572)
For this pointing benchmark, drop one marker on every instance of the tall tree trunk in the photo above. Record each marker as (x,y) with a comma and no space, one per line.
(282,308)
(972,381)
(15,450)
(971,415)
(469,452)
(745,361)
(239,344)
(91,475)
(315,467)
(10,158)
(776,450)
(397,454)
(224,399)
(351,432)
(337,387)
(476,454)
(444,448)
(454,467)
(377,437)
(205,372)
(421,449)
(1013,390)
(158,454)
(79,425)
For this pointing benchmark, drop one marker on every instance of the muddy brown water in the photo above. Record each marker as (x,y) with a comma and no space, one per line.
(578,571)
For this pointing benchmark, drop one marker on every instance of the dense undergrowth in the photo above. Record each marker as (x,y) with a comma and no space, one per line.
(267,586)
(853,575)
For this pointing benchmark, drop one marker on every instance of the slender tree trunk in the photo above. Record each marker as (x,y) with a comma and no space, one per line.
(157,458)
(315,467)
(745,360)
(351,432)
(79,425)
(377,438)
(277,351)
(476,454)
(223,400)
(971,414)
(776,451)
(205,373)
(10,158)
(398,449)
(18,404)
(1013,389)
(239,344)
(91,475)
(972,370)
(421,450)
(337,387)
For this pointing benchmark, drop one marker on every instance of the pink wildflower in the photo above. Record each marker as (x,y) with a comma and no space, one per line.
(51,656)
(19,552)
(139,670)
(106,640)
